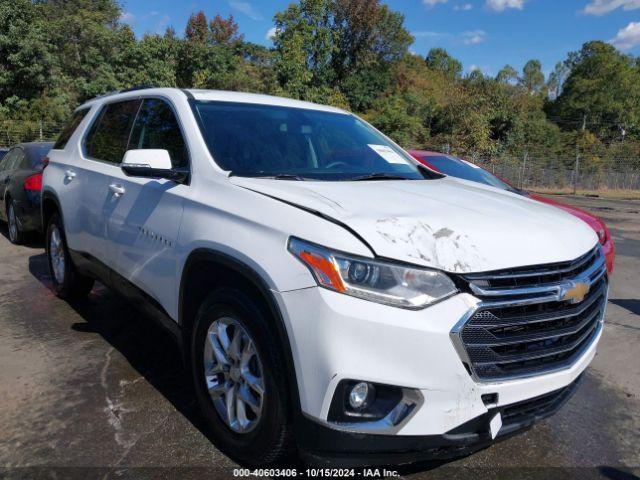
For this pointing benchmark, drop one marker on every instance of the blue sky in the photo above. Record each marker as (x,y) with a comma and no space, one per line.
(485,34)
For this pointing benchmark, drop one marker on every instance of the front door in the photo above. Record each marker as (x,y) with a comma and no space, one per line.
(143,215)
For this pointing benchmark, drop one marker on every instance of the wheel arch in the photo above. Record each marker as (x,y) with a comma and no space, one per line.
(204,270)
(49,206)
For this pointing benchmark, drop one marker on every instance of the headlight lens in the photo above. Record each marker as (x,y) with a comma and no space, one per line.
(382,282)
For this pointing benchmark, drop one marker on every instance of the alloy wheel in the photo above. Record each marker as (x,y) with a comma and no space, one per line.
(13,224)
(234,374)
(56,255)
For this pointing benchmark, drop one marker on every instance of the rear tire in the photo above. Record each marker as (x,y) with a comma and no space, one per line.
(266,439)
(16,236)
(66,281)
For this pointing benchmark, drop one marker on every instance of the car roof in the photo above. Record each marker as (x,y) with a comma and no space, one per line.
(32,145)
(217,96)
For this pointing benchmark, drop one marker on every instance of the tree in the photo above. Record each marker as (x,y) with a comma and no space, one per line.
(197,30)
(344,46)
(532,77)
(600,93)
(439,59)
(304,48)
(25,59)
(224,30)
(507,75)
(557,79)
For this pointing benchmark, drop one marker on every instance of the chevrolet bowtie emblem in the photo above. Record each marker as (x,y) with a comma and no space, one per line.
(576,293)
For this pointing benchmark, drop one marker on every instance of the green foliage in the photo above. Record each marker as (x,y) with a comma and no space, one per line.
(532,77)
(440,60)
(343,46)
(601,92)
(353,54)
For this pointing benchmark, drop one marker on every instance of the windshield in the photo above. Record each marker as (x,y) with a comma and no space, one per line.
(296,144)
(460,169)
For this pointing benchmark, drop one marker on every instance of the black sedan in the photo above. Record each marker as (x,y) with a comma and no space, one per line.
(20,186)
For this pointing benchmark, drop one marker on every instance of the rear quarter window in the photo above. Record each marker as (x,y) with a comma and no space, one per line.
(71,127)
(109,135)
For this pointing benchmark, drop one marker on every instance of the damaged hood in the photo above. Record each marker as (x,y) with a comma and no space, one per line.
(448,224)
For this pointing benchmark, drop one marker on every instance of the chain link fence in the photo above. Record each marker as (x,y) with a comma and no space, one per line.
(18,131)
(584,171)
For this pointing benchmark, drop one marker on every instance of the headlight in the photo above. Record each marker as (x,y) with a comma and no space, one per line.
(382,282)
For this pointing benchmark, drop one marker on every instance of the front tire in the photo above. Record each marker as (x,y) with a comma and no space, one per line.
(66,281)
(239,379)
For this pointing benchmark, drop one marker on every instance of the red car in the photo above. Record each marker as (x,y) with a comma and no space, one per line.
(456,167)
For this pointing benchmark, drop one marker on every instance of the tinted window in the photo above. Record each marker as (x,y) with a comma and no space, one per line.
(157,127)
(3,153)
(70,128)
(4,164)
(267,140)
(34,155)
(108,137)
(14,158)
(460,169)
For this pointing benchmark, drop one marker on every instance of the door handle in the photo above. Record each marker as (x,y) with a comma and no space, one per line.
(118,190)
(70,174)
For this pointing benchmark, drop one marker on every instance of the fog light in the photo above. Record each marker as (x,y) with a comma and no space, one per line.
(360,394)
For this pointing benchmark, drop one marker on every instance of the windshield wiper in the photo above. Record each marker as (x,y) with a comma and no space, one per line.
(288,176)
(379,176)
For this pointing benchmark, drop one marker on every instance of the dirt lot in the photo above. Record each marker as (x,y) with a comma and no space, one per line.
(96,390)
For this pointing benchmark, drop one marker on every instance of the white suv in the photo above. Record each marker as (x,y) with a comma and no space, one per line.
(328,292)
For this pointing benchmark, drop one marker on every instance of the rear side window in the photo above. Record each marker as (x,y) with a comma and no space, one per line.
(7,159)
(35,154)
(157,127)
(109,135)
(70,128)
(17,155)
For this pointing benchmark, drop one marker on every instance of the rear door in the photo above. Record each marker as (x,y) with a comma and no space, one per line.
(87,196)
(143,220)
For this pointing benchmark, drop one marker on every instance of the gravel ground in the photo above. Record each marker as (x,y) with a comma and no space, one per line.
(96,390)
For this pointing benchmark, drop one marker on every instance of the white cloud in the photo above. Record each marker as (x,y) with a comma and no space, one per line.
(502,5)
(429,34)
(247,8)
(473,37)
(473,68)
(127,17)
(433,3)
(627,37)
(271,33)
(464,7)
(470,37)
(600,7)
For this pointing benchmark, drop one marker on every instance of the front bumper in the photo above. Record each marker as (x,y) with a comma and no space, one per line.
(321,445)
(335,337)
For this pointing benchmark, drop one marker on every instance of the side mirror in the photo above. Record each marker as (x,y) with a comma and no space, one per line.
(152,163)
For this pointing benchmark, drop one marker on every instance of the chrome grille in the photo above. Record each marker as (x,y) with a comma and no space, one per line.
(533,320)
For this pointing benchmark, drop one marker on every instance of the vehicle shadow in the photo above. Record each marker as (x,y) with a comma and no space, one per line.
(630,304)
(146,346)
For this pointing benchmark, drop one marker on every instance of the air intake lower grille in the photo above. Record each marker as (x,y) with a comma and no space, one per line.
(526,328)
